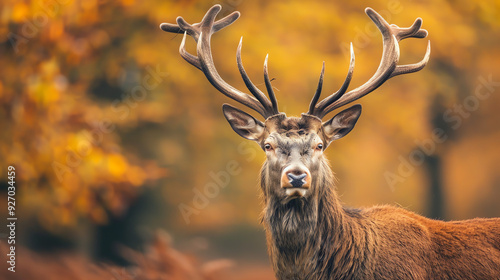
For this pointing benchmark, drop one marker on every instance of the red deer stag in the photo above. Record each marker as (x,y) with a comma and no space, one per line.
(310,235)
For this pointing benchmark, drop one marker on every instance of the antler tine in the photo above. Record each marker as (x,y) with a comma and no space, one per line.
(169,27)
(269,87)
(251,87)
(202,32)
(225,21)
(207,65)
(412,31)
(335,96)
(195,29)
(317,95)
(387,69)
(410,68)
(193,60)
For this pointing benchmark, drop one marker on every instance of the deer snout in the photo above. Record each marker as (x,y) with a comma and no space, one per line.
(296,180)
(296,177)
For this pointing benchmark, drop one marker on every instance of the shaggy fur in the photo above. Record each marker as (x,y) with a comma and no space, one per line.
(311,235)
(315,237)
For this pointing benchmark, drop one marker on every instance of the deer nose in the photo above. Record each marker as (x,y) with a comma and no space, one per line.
(296,180)
(296,177)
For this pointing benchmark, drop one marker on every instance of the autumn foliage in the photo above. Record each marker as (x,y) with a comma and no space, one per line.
(103,120)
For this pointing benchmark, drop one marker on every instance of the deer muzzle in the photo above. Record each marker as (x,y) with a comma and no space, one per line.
(296,180)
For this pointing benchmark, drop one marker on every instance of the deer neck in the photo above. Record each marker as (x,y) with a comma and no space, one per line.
(316,238)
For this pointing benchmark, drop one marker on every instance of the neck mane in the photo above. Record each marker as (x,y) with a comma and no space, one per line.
(315,238)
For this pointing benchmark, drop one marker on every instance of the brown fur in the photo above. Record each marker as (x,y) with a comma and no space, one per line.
(318,238)
(310,235)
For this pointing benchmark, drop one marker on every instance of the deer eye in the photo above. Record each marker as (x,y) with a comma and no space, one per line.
(268,147)
(319,147)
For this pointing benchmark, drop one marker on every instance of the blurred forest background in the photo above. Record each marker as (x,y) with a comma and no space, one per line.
(113,135)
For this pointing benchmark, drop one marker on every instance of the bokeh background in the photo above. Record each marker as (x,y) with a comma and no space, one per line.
(127,169)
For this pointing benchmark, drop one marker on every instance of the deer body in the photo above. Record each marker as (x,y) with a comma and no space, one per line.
(318,238)
(381,242)
(310,235)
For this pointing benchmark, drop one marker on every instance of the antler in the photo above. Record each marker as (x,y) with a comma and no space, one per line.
(201,33)
(387,69)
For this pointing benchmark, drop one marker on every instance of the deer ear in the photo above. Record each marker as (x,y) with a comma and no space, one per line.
(338,126)
(242,123)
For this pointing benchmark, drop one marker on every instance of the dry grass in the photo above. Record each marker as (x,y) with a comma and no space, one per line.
(160,261)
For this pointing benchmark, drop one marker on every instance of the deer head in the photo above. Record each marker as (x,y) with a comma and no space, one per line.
(310,234)
(294,146)
(295,169)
